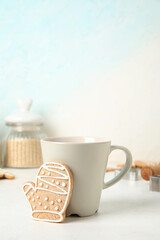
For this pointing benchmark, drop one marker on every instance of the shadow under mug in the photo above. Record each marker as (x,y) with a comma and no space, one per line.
(87,158)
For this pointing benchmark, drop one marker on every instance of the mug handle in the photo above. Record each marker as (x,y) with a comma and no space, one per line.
(124,170)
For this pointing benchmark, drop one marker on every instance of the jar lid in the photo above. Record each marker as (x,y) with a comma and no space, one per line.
(23,116)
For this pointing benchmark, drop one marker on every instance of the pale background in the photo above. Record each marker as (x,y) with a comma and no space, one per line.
(91,68)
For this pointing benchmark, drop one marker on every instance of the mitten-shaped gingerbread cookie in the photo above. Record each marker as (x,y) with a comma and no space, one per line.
(50,195)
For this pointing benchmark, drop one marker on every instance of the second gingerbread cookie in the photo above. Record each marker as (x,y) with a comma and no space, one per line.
(50,195)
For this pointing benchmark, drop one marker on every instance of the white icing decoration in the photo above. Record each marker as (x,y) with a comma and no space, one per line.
(29,197)
(57,208)
(46,186)
(43,172)
(51,167)
(59,200)
(57,183)
(49,174)
(32,193)
(34,206)
(63,184)
(33,200)
(29,188)
(62,176)
(37,197)
(46,199)
(43,179)
(45,207)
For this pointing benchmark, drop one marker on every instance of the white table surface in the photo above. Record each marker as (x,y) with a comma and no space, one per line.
(128,210)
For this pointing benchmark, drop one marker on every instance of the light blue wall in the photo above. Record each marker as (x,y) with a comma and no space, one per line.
(48,47)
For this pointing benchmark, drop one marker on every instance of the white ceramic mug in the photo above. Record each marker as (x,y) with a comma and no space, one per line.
(87,158)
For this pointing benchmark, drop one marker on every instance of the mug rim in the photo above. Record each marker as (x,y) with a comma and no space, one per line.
(76,140)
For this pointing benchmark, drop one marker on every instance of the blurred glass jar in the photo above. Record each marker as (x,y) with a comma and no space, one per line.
(22,145)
